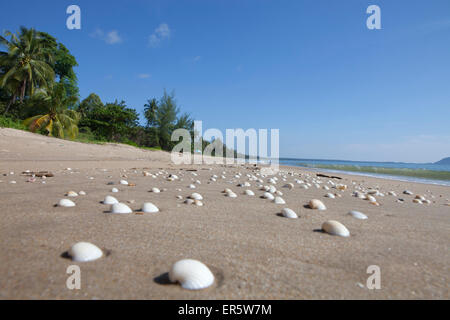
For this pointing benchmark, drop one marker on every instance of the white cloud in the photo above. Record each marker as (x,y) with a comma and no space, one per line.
(161,33)
(144,76)
(111,37)
(98,33)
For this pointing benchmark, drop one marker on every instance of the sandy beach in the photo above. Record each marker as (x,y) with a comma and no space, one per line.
(253,252)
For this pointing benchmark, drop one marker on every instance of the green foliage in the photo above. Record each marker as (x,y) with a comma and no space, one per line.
(6,122)
(62,62)
(162,119)
(53,113)
(25,63)
(111,121)
(88,105)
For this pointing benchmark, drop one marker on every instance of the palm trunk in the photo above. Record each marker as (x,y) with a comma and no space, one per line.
(9,104)
(22,93)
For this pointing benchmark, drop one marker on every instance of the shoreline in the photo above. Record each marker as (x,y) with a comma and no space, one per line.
(379,176)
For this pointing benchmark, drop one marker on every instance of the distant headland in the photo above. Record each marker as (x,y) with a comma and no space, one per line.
(444,161)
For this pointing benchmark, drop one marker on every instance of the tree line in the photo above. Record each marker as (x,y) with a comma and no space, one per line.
(39,88)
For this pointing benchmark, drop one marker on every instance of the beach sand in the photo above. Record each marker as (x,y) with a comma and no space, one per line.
(253,252)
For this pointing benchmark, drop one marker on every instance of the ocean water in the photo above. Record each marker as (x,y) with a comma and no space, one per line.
(416,172)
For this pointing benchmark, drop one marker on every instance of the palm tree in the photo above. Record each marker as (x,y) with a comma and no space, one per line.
(57,119)
(25,62)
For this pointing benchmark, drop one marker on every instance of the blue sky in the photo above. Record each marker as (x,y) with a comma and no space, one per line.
(312,69)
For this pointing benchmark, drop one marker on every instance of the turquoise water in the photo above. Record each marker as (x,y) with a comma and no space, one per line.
(417,172)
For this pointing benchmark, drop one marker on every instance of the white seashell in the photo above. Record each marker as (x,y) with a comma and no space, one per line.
(330,195)
(149,207)
(268,196)
(325,188)
(417,201)
(156,190)
(189,201)
(289,213)
(358,215)
(249,192)
(124,182)
(120,208)
(317,204)
(191,274)
(407,192)
(66,203)
(371,198)
(290,186)
(272,189)
(198,203)
(84,251)
(278,193)
(335,228)
(192,186)
(392,193)
(279,200)
(231,194)
(71,194)
(82,193)
(115,190)
(110,200)
(196,196)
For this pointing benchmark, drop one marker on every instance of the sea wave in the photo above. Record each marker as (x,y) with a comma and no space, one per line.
(400,172)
